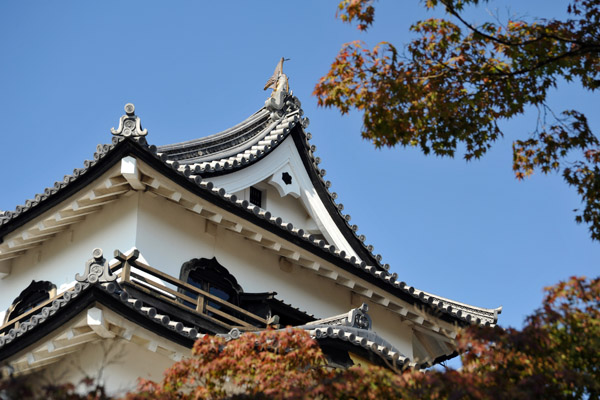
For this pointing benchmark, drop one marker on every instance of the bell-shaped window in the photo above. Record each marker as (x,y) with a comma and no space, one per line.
(210,276)
(36,293)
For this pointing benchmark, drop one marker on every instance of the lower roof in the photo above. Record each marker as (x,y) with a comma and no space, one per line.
(350,331)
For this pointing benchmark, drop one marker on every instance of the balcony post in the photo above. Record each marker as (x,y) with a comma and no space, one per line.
(200,304)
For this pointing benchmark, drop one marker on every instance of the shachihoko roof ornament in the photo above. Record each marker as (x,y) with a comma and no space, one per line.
(281,88)
(129,124)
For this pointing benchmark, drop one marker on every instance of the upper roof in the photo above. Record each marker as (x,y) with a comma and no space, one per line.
(253,139)
(192,164)
(224,144)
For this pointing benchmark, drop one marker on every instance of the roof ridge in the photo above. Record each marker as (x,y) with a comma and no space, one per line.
(271,137)
(249,120)
(101,151)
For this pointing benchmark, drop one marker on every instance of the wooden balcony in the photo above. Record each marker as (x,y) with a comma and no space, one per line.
(134,275)
(180,294)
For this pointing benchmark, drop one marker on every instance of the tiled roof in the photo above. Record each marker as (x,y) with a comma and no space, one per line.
(364,338)
(218,146)
(273,134)
(49,192)
(351,327)
(42,315)
(296,309)
(46,312)
(249,141)
(93,308)
(358,337)
(284,125)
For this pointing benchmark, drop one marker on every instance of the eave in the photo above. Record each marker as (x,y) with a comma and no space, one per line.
(200,196)
(232,214)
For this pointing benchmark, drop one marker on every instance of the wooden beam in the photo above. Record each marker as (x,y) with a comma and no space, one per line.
(175,196)
(9,254)
(73,339)
(150,181)
(5,267)
(270,245)
(14,247)
(215,217)
(96,321)
(75,212)
(291,254)
(343,281)
(384,301)
(251,235)
(131,173)
(327,273)
(308,264)
(428,347)
(368,293)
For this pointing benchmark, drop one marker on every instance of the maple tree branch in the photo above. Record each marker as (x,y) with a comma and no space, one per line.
(496,39)
(545,62)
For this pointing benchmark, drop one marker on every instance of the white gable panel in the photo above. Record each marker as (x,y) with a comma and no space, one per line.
(286,158)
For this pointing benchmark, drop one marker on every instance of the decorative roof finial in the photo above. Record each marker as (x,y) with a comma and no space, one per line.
(280,85)
(129,124)
(96,269)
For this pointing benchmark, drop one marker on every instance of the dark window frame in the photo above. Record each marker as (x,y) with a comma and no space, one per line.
(207,273)
(256,196)
(36,293)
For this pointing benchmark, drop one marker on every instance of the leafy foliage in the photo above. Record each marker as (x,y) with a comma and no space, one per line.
(455,81)
(555,356)
(261,365)
(284,364)
(26,387)
(361,10)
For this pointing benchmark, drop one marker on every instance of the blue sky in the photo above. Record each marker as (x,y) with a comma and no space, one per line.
(467,231)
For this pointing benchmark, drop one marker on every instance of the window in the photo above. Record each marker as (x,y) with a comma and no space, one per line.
(286,178)
(256,196)
(34,294)
(211,277)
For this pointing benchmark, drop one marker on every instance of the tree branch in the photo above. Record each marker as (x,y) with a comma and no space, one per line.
(450,9)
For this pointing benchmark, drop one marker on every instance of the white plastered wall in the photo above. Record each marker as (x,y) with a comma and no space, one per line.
(168,236)
(115,363)
(115,357)
(288,208)
(59,259)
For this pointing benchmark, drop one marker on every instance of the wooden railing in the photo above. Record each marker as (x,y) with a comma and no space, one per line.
(15,321)
(210,306)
